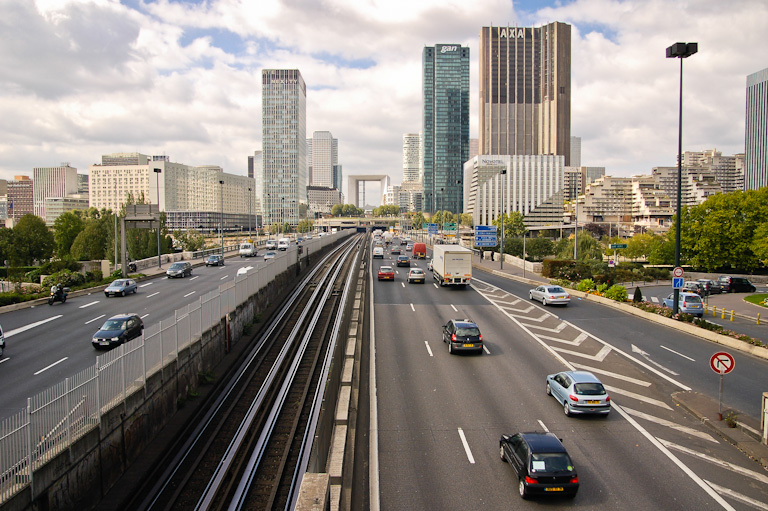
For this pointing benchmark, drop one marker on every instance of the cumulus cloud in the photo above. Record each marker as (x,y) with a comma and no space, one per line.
(81,78)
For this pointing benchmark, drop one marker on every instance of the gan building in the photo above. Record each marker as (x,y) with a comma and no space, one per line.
(756,132)
(525,90)
(284,144)
(445,124)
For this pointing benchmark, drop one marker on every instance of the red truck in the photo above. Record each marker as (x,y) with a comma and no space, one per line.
(419,250)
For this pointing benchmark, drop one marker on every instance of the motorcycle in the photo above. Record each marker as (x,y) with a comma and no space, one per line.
(58,295)
(132,267)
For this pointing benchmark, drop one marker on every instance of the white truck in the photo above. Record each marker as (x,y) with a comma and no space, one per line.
(452,265)
(247,249)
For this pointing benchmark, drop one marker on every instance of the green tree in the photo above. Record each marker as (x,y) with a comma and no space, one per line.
(514,227)
(466,219)
(538,248)
(65,229)
(760,243)
(418,220)
(640,246)
(190,240)
(8,247)
(305,226)
(33,240)
(663,251)
(589,248)
(90,244)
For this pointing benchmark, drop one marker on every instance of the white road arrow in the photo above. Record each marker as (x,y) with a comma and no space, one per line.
(646,356)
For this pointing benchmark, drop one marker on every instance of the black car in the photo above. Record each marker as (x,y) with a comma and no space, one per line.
(179,269)
(694,287)
(541,463)
(735,284)
(214,260)
(402,260)
(461,335)
(117,330)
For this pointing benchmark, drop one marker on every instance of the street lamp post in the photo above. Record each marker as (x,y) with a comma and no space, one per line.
(249,212)
(503,173)
(157,173)
(221,221)
(679,51)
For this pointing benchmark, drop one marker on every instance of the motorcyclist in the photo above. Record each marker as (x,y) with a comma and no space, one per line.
(58,290)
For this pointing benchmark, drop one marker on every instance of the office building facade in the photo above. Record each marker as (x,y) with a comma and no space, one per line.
(284,145)
(52,182)
(412,158)
(525,90)
(20,197)
(323,156)
(445,124)
(756,132)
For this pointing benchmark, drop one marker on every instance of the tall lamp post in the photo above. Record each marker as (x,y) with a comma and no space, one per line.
(157,173)
(679,51)
(249,212)
(503,173)
(221,221)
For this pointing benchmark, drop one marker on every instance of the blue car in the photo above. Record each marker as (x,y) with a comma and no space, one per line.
(117,330)
(121,287)
(688,303)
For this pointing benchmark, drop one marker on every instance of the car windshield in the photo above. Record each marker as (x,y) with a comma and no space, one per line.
(551,462)
(177,266)
(467,331)
(114,324)
(589,389)
(119,282)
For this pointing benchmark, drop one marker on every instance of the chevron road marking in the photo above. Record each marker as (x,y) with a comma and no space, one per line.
(654,299)
(737,496)
(639,397)
(576,342)
(670,424)
(521,311)
(599,357)
(613,375)
(724,464)
(557,330)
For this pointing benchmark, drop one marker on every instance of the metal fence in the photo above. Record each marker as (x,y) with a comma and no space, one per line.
(57,417)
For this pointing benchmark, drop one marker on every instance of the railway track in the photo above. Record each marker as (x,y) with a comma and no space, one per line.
(250,449)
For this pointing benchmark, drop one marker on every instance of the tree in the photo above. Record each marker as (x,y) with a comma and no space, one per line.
(32,239)
(589,248)
(65,229)
(514,227)
(90,244)
(466,219)
(304,226)
(539,248)
(190,240)
(418,220)
(597,230)
(760,243)
(640,246)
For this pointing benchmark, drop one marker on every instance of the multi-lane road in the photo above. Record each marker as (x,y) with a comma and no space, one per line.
(440,415)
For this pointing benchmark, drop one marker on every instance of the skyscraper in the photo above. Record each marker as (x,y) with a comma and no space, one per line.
(412,157)
(525,90)
(756,137)
(445,119)
(284,144)
(324,155)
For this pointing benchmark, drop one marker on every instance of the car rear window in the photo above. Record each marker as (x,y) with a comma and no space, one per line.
(589,389)
(692,299)
(551,462)
(468,331)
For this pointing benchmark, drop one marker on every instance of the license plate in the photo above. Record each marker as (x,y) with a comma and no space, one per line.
(556,488)
(469,345)
(593,402)
(104,343)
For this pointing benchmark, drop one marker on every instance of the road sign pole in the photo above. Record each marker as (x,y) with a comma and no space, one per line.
(720,406)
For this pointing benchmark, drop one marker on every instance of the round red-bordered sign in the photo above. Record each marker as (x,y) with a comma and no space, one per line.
(677,272)
(722,362)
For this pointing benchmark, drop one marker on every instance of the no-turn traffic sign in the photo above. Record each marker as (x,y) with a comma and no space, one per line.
(677,272)
(722,362)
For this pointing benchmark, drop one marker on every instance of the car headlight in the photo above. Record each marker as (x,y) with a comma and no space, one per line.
(95,339)
(115,339)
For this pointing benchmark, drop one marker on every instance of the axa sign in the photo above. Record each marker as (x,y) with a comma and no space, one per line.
(512,32)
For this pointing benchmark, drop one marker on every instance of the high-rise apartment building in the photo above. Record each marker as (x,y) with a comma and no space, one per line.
(284,144)
(756,133)
(50,182)
(412,157)
(445,123)
(728,170)
(20,197)
(575,152)
(525,90)
(323,155)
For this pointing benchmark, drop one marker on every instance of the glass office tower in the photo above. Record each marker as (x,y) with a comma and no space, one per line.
(445,124)
(756,139)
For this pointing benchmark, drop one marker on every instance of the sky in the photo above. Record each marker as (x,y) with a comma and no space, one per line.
(82,78)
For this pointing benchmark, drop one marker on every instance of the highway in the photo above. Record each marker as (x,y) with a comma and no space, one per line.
(441,415)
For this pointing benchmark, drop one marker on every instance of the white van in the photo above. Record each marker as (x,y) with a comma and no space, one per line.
(283,243)
(271,245)
(378,252)
(247,249)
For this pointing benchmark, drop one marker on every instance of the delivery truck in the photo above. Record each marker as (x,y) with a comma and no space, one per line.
(452,265)
(419,251)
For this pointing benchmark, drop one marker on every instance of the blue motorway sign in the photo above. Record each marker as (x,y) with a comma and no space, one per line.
(482,229)
(432,228)
(677,282)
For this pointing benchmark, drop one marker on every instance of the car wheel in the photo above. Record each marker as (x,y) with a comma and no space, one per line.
(521,488)
(549,390)
(450,348)
(544,301)
(566,410)
(501,453)
(63,298)
(122,293)
(106,294)
(530,296)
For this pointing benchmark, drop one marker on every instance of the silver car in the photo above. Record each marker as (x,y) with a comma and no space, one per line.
(579,392)
(549,294)
(688,303)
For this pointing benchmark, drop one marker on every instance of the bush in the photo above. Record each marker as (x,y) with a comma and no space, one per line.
(586,285)
(638,297)
(617,292)
(50,268)
(601,288)
(551,267)
(561,283)
(94,276)
(67,278)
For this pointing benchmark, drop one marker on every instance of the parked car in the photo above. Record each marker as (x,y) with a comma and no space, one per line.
(550,295)
(735,284)
(179,269)
(710,286)
(461,335)
(694,287)
(403,260)
(386,273)
(269,255)
(579,392)
(541,462)
(214,260)
(121,287)
(117,330)
(416,275)
(688,303)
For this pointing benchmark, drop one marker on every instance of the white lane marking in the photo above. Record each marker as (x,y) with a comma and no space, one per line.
(153,294)
(454,308)
(676,352)
(544,317)
(576,342)
(144,316)
(654,299)
(639,397)
(94,319)
(543,426)
(647,356)
(402,284)
(613,375)
(413,308)
(737,496)
(3,360)
(15,331)
(46,368)
(429,349)
(724,464)
(147,284)
(224,277)
(673,425)
(485,348)
(193,278)
(599,357)
(189,294)
(466,446)
(88,305)
(435,284)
